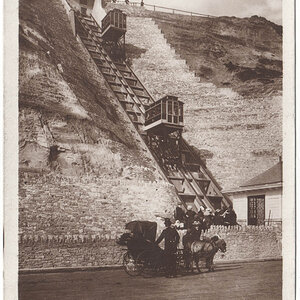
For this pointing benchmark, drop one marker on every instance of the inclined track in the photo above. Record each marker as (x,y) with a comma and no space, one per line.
(190,184)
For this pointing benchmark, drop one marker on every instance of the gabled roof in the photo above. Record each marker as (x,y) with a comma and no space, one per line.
(272,175)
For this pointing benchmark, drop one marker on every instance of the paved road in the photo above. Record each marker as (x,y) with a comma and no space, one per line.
(260,280)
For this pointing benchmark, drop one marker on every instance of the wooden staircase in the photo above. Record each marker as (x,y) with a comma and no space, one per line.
(193,182)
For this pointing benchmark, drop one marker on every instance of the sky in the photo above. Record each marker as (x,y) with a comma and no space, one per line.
(270,9)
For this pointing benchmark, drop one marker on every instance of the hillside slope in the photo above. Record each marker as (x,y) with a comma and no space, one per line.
(242,53)
(83,167)
(240,123)
(237,126)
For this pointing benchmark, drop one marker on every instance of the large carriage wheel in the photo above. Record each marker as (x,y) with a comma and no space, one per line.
(150,263)
(130,265)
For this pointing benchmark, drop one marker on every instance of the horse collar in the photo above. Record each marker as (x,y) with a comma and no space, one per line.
(214,244)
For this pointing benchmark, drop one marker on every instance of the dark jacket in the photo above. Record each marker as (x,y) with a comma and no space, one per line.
(230,218)
(190,214)
(171,239)
(218,219)
(195,233)
(179,214)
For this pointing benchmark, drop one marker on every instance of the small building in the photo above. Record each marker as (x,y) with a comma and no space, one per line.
(258,201)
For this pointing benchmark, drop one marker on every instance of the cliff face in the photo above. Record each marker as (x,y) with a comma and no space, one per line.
(244,54)
(83,167)
(237,126)
(240,122)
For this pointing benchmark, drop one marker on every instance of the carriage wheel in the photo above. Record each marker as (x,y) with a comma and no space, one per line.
(149,263)
(130,265)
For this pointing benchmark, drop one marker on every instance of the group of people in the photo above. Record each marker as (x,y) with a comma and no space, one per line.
(187,228)
(205,217)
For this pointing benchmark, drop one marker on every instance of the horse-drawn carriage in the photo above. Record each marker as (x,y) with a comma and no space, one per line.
(140,237)
(144,256)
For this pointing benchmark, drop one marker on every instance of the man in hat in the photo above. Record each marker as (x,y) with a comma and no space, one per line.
(179,214)
(190,214)
(171,238)
(196,231)
(218,219)
(230,217)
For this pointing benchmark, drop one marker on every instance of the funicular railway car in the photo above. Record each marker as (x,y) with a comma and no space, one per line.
(113,34)
(165,115)
(164,125)
(114,25)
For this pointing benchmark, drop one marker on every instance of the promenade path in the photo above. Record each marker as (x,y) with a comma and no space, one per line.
(258,280)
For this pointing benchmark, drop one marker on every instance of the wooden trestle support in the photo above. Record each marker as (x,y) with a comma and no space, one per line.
(193,182)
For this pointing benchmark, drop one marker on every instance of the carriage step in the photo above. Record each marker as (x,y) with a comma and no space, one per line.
(103,67)
(133,112)
(143,97)
(87,18)
(120,64)
(126,73)
(137,88)
(128,102)
(138,123)
(94,50)
(109,75)
(131,81)
(97,56)
(176,178)
(114,83)
(87,41)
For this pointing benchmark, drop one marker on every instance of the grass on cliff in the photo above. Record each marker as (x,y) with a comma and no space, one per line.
(244,54)
(44,27)
(75,106)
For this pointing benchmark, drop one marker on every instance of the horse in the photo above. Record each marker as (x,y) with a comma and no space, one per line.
(193,234)
(207,249)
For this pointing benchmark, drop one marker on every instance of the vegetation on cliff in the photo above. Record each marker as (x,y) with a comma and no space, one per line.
(83,167)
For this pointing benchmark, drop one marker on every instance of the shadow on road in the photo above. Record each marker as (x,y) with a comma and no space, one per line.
(227,268)
(195,272)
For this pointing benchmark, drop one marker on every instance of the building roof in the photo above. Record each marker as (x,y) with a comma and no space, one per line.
(270,179)
(272,175)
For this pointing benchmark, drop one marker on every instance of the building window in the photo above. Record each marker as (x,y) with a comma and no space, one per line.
(83,10)
(84,2)
(256,210)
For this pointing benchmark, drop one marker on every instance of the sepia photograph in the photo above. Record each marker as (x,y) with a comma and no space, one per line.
(154,150)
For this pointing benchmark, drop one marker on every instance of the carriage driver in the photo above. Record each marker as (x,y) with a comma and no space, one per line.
(171,240)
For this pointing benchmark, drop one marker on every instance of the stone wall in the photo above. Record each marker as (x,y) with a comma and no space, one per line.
(58,205)
(248,242)
(83,167)
(81,250)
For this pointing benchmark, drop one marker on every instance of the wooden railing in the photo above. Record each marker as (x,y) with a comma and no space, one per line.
(164,9)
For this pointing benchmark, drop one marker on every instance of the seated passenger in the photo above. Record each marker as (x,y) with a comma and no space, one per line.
(181,232)
(179,214)
(190,214)
(218,219)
